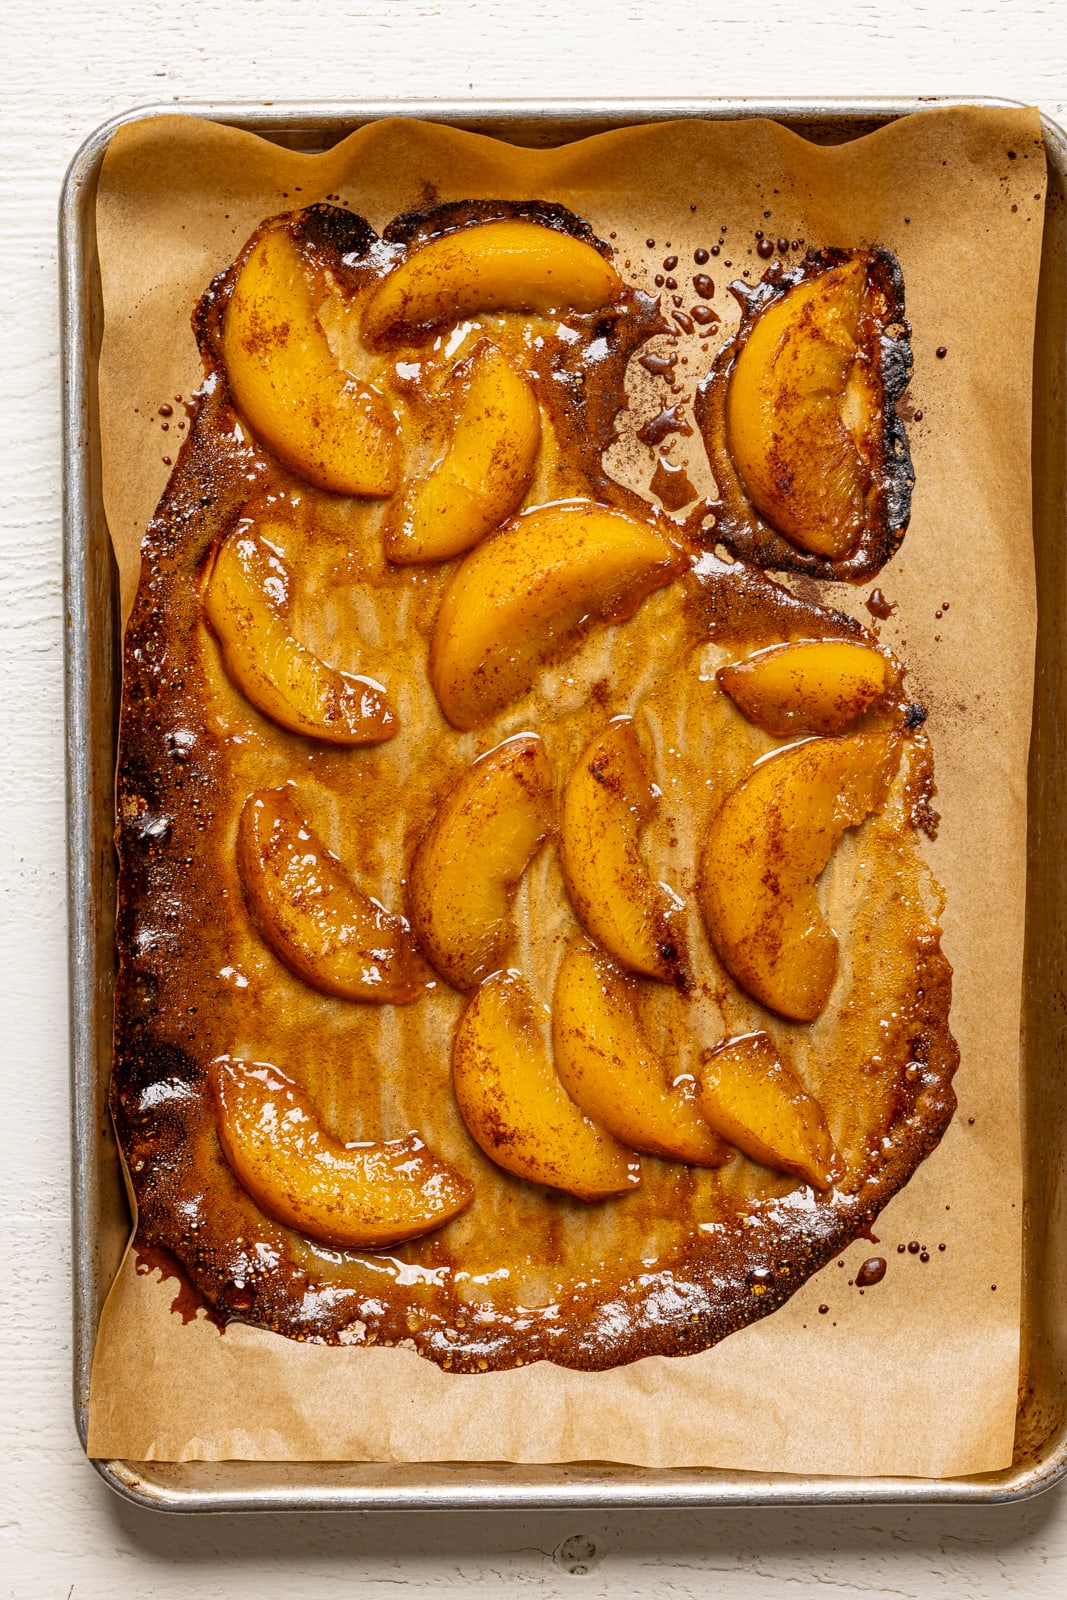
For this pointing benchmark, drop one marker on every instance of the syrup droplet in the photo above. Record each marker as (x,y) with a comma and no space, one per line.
(941,352)
(700,256)
(659,366)
(878,605)
(703,285)
(765,249)
(703,315)
(668,421)
(672,485)
(871,1272)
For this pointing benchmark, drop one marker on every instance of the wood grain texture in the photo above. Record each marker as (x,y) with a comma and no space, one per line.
(67,67)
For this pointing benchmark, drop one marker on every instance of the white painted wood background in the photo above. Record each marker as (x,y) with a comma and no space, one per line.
(64,68)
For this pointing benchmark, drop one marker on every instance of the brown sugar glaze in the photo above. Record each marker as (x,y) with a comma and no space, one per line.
(526,1273)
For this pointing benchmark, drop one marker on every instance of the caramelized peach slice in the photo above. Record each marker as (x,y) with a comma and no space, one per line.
(607,801)
(493,266)
(750,1096)
(246,601)
(315,417)
(608,1068)
(313,916)
(803,414)
(486,470)
(528,595)
(767,846)
(352,1196)
(479,845)
(515,1106)
(812,686)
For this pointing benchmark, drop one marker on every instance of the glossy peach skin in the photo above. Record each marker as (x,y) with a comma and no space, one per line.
(246,602)
(528,595)
(810,686)
(319,420)
(313,916)
(765,850)
(751,1096)
(607,801)
(485,471)
(515,1106)
(514,265)
(351,1196)
(480,843)
(608,1068)
(803,412)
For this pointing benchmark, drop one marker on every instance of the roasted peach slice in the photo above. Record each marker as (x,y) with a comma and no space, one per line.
(803,410)
(515,265)
(515,1106)
(352,1196)
(527,596)
(608,1068)
(607,801)
(768,844)
(246,601)
(486,469)
(756,1101)
(811,686)
(479,845)
(318,419)
(312,915)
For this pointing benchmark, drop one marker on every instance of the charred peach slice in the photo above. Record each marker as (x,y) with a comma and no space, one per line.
(319,420)
(485,471)
(766,848)
(528,595)
(607,801)
(246,601)
(608,1068)
(479,845)
(800,419)
(515,1106)
(800,409)
(756,1101)
(312,915)
(811,686)
(351,1196)
(514,265)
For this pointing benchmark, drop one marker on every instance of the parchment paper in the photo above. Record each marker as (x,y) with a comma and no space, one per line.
(919,1374)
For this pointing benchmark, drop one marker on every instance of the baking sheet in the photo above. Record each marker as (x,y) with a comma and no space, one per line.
(974,436)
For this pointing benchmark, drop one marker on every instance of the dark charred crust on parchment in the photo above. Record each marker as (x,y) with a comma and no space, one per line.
(174,839)
(738,525)
(414,228)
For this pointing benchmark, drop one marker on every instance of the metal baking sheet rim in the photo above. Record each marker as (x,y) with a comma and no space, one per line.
(91,630)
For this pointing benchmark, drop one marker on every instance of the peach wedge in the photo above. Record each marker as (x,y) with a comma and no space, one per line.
(485,471)
(312,915)
(318,419)
(810,686)
(513,265)
(609,1069)
(607,800)
(246,601)
(351,1196)
(479,845)
(766,848)
(803,411)
(527,596)
(757,1102)
(515,1106)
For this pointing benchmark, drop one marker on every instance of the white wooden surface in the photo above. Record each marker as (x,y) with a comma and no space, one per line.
(66,67)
